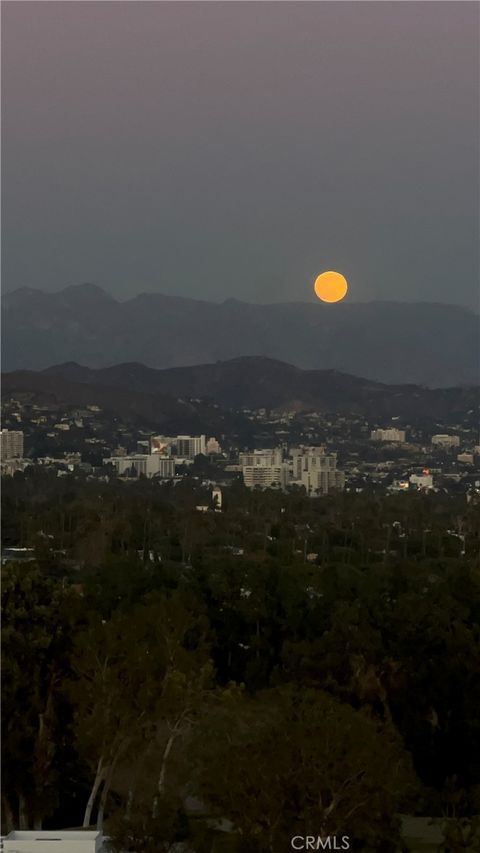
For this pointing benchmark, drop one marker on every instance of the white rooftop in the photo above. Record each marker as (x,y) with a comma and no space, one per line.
(53,841)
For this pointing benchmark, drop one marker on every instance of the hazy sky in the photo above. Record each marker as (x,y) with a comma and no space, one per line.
(237,149)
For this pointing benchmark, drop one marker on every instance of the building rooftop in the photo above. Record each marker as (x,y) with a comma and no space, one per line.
(53,841)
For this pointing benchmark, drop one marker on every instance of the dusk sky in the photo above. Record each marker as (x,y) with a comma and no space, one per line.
(224,150)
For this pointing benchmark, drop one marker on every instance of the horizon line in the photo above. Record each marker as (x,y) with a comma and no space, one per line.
(313,301)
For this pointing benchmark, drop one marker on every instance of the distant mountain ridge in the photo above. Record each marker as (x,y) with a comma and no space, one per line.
(392,342)
(202,395)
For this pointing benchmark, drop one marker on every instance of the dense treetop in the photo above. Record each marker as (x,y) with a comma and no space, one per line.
(288,665)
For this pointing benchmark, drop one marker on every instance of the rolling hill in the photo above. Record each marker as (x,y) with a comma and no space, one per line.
(190,397)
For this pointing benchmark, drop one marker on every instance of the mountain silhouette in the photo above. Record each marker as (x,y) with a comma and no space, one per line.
(200,397)
(393,342)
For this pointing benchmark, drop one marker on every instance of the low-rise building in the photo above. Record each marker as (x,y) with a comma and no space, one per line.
(390,434)
(423,482)
(217,498)
(143,464)
(53,841)
(446,441)
(9,467)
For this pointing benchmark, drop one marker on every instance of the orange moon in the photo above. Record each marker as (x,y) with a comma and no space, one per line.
(331,286)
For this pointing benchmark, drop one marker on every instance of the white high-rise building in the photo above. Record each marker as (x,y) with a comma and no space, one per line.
(266,476)
(306,458)
(310,467)
(321,482)
(316,470)
(189,446)
(11,444)
(263,458)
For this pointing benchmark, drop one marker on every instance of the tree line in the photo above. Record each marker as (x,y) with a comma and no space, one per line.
(284,667)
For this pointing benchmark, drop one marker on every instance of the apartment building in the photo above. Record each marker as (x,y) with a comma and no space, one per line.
(189,446)
(11,446)
(316,470)
(262,458)
(310,467)
(266,476)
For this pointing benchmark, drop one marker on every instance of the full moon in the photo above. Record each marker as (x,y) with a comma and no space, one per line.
(331,286)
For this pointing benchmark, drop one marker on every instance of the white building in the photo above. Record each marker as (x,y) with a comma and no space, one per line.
(264,458)
(316,470)
(446,441)
(321,482)
(53,841)
(266,476)
(189,446)
(148,465)
(390,434)
(466,458)
(213,447)
(307,458)
(423,482)
(9,467)
(310,467)
(11,444)
(217,498)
